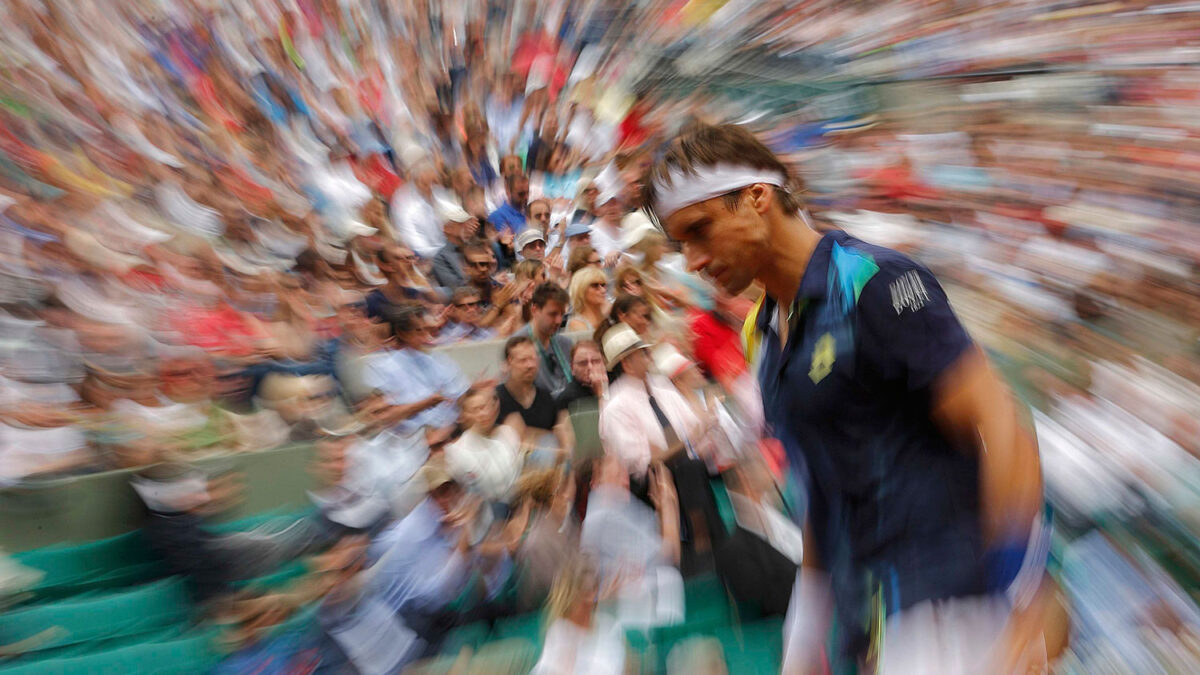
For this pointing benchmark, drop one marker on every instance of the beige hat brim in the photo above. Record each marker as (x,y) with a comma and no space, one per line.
(626,352)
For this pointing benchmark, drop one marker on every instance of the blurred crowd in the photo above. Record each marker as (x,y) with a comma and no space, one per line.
(228,227)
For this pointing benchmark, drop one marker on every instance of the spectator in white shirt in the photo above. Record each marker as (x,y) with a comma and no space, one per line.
(645,419)
(579,640)
(415,213)
(487,457)
(606,230)
(635,549)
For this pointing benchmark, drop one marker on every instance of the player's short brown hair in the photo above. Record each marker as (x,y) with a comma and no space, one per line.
(699,144)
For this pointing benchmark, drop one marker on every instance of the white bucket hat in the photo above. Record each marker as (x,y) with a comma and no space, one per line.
(621,341)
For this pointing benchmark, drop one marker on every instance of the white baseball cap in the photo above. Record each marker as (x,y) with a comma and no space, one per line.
(454,214)
(527,237)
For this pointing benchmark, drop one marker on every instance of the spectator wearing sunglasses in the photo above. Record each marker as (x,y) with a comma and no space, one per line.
(462,318)
(404,281)
(538,214)
(589,299)
(479,266)
(531,244)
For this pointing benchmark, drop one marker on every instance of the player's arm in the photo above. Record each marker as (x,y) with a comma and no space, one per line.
(971,403)
(911,337)
(970,400)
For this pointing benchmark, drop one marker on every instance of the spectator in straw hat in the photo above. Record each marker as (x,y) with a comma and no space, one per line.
(645,420)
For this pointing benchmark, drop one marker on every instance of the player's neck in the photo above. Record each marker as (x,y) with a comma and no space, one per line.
(793,243)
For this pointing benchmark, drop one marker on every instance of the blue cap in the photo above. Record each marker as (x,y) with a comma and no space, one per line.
(577,228)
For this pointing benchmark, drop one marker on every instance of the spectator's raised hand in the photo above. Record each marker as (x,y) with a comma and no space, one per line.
(598,379)
(507,292)
(662,489)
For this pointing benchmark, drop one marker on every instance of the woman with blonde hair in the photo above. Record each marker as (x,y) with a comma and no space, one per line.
(589,299)
(648,248)
(578,641)
(550,534)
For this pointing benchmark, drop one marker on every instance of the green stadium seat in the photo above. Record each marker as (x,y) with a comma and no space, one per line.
(121,561)
(472,635)
(188,655)
(99,616)
(528,626)
(108,563)
(706,602)
(586,424)
(173,632)
(753,647)
(724,505)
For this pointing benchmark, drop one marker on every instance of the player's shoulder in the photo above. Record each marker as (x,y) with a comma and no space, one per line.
(895,280)
(887,262)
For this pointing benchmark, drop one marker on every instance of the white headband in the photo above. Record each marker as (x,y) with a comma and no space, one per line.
(685,189)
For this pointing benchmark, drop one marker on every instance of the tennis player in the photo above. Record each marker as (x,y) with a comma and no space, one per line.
(926,534)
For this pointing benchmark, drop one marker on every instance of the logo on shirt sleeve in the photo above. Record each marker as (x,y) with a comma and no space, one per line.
(908,292)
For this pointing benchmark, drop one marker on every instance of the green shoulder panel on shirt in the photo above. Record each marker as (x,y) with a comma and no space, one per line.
(854,269)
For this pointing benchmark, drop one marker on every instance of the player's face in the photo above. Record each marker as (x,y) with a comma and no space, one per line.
(727,246)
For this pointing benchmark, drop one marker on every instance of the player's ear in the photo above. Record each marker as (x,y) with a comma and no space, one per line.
(761,197)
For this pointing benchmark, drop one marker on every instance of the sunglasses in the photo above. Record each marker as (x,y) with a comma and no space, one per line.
(479,263)
(598,284)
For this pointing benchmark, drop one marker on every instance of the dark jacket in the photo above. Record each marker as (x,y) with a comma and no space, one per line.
(190,550)
(448,268)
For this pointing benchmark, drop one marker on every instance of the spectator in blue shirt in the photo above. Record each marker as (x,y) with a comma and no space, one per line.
(462,323)
(426,561)
(405,282)
(511,215)
(413,388)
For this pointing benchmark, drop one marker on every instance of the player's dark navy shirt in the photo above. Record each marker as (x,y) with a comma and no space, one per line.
(893,506)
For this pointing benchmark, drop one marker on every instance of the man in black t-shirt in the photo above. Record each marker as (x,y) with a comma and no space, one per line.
(526,406)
